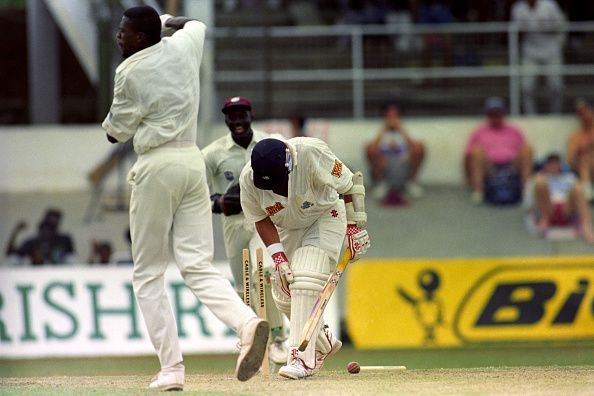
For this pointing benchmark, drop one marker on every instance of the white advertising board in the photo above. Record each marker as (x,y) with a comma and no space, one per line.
(92,311)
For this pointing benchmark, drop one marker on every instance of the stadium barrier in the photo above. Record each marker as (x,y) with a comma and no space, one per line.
(456,302)
(63,156)
(75,311)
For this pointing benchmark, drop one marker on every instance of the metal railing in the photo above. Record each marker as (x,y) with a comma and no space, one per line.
(358,74)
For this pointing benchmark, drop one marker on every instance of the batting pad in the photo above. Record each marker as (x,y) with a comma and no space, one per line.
(311,268)
(282,302)
(322,343)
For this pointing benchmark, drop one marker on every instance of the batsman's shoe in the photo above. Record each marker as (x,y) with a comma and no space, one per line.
(335,343)
(254,340)
(296,367)
(168,381)
(278,352)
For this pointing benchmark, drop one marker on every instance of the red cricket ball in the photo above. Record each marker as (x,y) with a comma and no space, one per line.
(353,367)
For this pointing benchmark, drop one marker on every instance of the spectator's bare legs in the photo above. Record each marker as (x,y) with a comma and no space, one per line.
(376,161)
(585,165)
(417,155)
(523,163)
(479,165)
(578,205)
(544,205)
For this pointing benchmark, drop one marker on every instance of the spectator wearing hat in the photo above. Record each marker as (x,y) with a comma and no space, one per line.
(495,143)
(225,158)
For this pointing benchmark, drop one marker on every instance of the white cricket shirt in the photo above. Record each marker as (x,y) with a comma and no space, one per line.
(224,161)
(317,178)
(157,91)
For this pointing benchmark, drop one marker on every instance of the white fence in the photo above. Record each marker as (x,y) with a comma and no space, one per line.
(357,74)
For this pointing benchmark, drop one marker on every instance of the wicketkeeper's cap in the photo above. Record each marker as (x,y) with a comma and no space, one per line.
(270,164)
(236,101)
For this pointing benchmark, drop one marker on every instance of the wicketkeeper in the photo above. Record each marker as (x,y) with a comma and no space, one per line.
(290,190)
(225,158)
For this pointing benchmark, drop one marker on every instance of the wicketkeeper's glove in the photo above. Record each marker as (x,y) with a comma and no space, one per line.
(228,203)
(358,241)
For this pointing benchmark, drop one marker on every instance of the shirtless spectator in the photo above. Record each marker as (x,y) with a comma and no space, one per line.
(580,148)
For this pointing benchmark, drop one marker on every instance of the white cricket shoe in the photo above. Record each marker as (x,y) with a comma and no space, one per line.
(296,368)
(278,352)
(335,343)
(253,337)
(168,381)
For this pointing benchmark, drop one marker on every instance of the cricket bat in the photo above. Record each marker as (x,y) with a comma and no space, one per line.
(318,309)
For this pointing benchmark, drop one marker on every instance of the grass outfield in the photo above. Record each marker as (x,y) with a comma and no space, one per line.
(521,369)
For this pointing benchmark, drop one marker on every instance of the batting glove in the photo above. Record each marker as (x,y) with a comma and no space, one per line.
(358,241)
(283,276)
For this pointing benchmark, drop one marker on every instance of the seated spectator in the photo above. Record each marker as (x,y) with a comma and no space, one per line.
(556,198)
(580,148)
(395,159)
(495,144)
(49,246)
(101,253)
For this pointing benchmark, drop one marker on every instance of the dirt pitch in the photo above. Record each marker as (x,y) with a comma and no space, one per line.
(508,381)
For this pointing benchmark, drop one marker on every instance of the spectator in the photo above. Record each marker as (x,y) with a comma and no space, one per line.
(395,159)
(556,198)
(101,252)
(361,12)
(580,148)
(49,246)
(495,143)
(435,12)
(542,45)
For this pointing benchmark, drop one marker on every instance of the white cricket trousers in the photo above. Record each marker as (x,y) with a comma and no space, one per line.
(171,220)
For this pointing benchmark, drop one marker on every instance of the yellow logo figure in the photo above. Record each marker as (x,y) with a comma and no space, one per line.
(428,308)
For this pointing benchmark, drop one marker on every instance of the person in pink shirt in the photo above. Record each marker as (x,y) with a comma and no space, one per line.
(495,142)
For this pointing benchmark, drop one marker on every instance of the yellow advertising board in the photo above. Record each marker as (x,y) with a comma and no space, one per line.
(452,302)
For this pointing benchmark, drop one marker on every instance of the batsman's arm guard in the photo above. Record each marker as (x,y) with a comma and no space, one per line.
(355,210)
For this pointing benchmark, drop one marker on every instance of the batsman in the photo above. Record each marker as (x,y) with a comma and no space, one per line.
(225,158)
(290,190)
